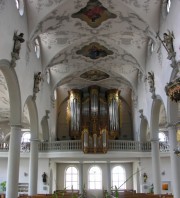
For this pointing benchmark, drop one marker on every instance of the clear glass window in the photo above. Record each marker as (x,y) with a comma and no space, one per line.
(20,6)
(72,178)
(162,137)
(152,47)
(37,47)
(168,5)
(118,177)
(26,137)
(95,178)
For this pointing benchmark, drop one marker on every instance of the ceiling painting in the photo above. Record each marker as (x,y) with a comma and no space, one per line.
(94,75)
(94,14)
(94,51)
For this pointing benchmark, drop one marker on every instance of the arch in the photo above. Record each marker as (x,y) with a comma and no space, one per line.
(144,130)
(14,96)
(155,113)
(45,128)
(33,114)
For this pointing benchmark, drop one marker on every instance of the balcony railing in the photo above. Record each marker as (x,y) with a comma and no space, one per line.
(76,145)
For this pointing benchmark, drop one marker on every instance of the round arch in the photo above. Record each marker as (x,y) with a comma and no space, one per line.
(155,113)
(33,114)
(144,130)
(14,96)
(45,128)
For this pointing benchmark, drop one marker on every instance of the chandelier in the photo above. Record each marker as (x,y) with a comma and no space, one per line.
(173,90)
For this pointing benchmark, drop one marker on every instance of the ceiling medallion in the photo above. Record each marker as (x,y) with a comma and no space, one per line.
(94,75)
(94,14)
(173,90)
(94,51)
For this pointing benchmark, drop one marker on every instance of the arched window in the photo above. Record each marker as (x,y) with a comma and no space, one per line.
(20,6)
(168,5)
(26,137)
(95,178)
(118,176)
(37,47)
(162,137)
(72,178)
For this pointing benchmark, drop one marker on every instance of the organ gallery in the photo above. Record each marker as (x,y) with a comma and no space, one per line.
(94,116)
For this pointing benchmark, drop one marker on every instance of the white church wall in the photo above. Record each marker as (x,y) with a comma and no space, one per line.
(146,167)
(3,169)
(43,166)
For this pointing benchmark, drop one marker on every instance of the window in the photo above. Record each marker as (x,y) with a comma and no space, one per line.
(118,177)
(26,137)
(162,137)
(20,6)
(72,178)
(48,76)
(152,47)
(168,5)
(95,178)
(37,47)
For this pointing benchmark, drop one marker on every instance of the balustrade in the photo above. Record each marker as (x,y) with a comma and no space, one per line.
(76,145)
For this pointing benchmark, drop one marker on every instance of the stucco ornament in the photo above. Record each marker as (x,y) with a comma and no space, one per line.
(18,39)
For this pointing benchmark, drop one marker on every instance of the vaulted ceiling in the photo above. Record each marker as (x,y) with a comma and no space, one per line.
(76,37)
(87,42)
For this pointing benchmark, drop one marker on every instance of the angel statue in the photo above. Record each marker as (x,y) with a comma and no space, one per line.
(168,41)
(168,45)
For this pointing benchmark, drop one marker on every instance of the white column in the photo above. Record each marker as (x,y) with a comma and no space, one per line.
(81,185)
(175,162)
(33,167)
(156,166)
(13,162)
(108,178)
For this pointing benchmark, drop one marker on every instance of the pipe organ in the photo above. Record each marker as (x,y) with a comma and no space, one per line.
(94,117)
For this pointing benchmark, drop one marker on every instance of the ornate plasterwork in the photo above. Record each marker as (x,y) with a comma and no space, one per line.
(94,14)
(39,5)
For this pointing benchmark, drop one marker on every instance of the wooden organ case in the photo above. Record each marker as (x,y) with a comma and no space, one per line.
(94,117)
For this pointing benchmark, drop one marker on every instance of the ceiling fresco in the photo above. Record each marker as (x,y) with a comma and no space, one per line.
(94,75)
(94,51)
(94,14)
